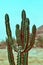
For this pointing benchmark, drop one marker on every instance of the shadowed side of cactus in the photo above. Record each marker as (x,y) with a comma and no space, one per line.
(9,41)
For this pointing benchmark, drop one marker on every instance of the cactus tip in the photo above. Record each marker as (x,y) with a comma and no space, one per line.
(6,16)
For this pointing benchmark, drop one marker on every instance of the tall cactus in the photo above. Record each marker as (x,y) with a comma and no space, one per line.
(25,42)
(9,41)
(26,39)
(25,31)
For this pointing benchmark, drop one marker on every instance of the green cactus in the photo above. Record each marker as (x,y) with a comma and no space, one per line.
(26,39)
(10,54)
(23,15)
(25,32)
(9,41)
(19,56)
(22,27)
(18,35)
(8,30)
(25,42)
(32,39)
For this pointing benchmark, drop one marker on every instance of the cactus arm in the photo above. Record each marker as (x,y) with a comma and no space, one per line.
(22,27)
(8,30)
(23,15)
(32,40)
(9,41)
(18,35)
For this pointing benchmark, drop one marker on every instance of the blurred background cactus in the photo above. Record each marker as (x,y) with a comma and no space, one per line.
(24,41)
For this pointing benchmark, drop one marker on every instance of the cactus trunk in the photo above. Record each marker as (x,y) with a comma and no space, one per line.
(19,57)
(10,54)
(26,58)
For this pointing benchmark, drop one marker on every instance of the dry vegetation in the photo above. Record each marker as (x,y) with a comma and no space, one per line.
(35,57)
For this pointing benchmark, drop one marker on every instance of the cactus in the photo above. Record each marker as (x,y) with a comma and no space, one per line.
(10,54)
(25,33)
(8,30)
(18,35)
(19,56)
(25,42)
(9,41)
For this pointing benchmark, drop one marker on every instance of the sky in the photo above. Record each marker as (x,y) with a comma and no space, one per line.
(33,8)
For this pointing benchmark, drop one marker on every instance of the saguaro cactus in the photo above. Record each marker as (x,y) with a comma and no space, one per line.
(25,42)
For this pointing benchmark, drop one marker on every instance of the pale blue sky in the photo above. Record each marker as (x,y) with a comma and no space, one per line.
(33,8)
